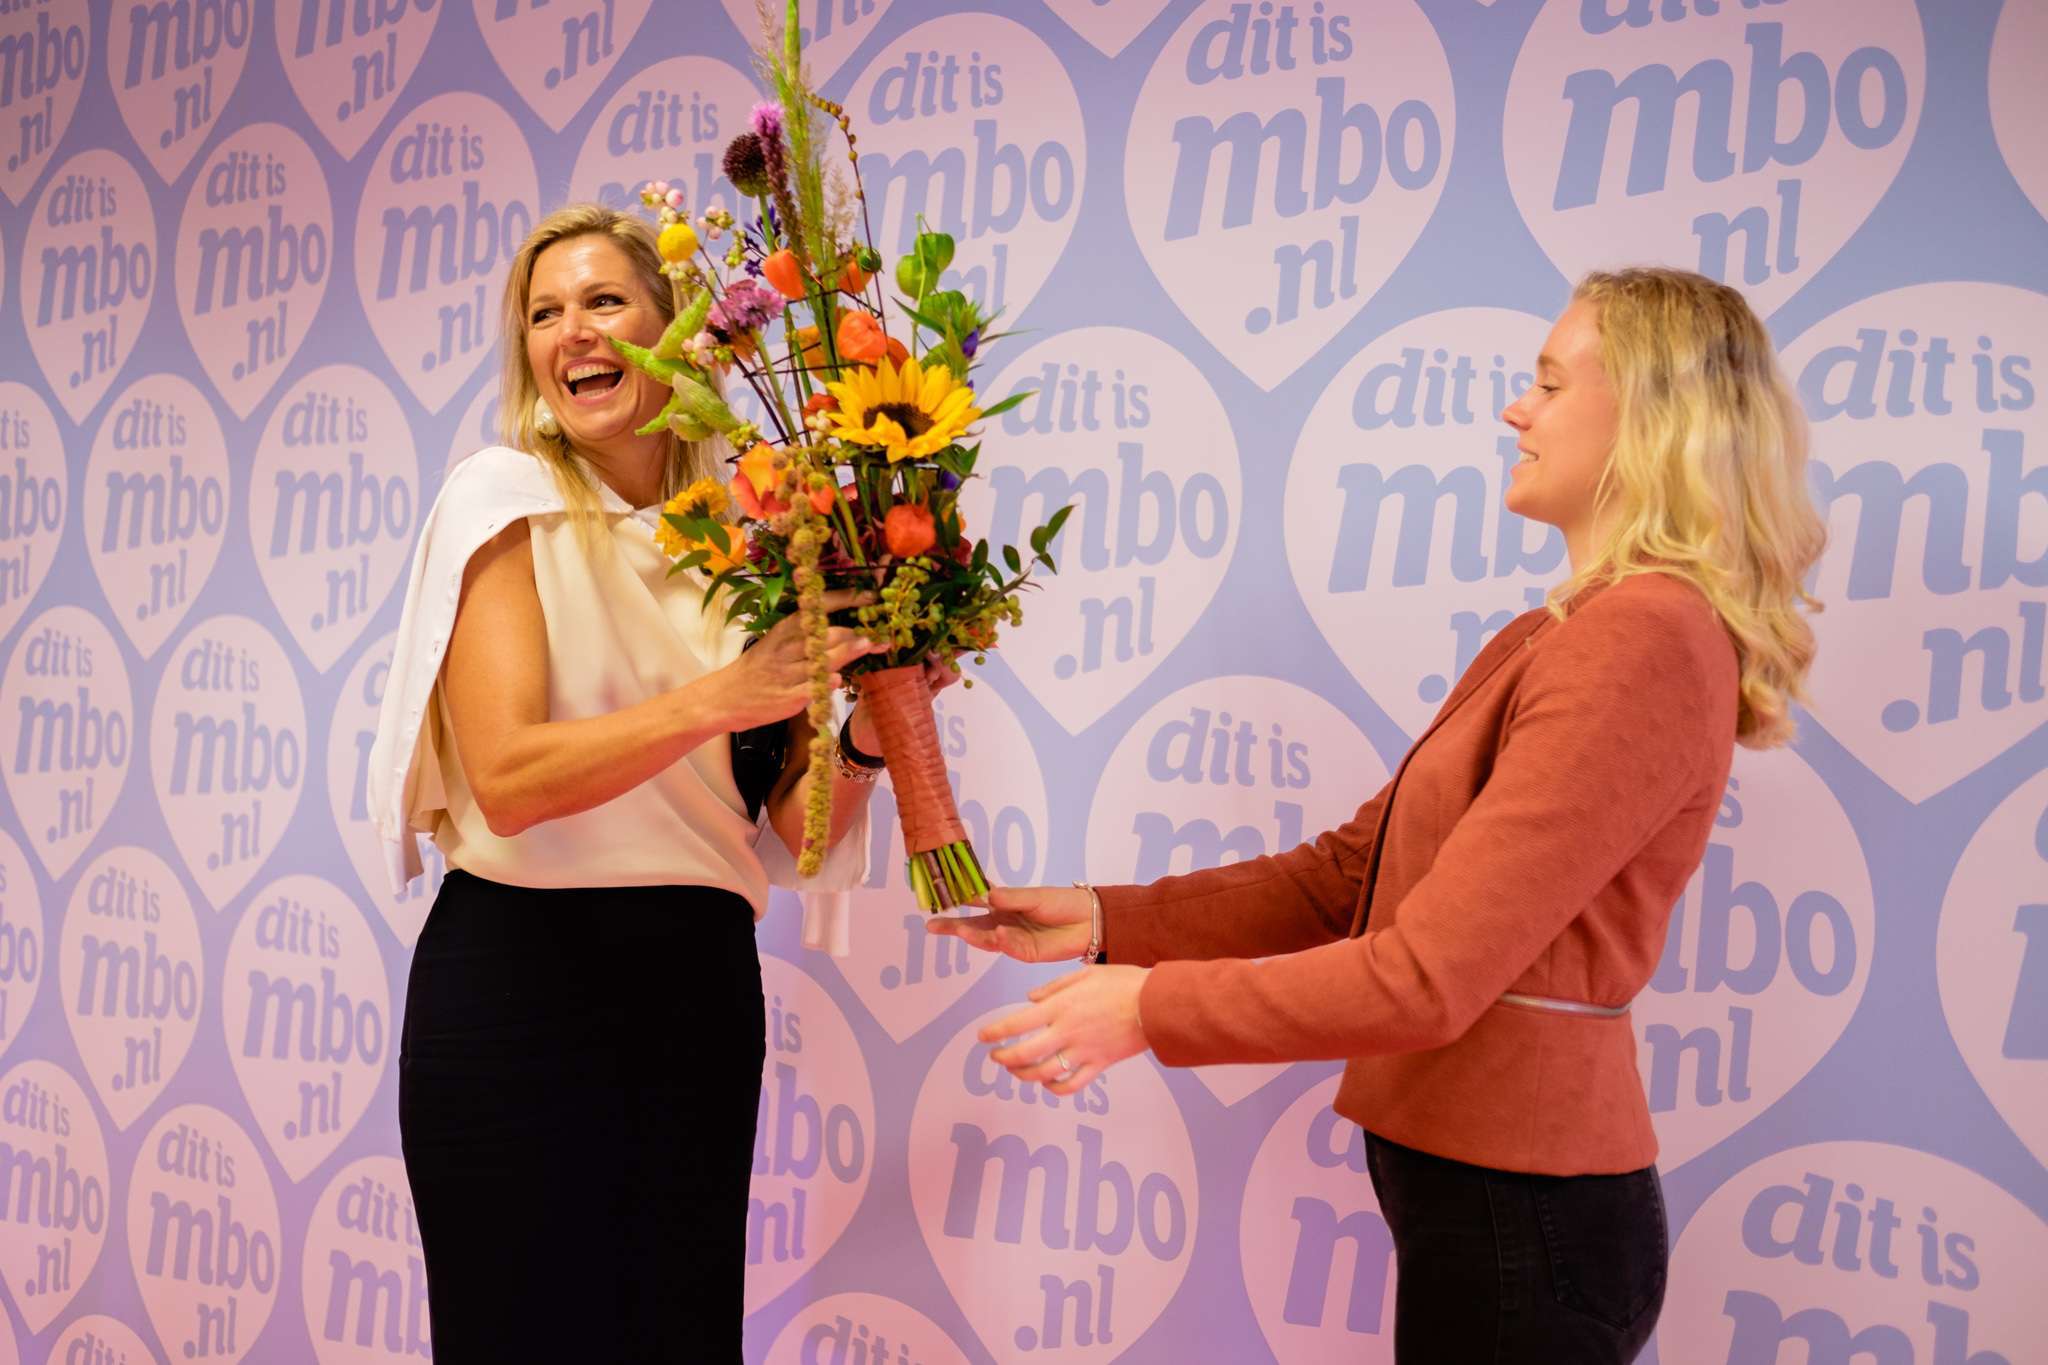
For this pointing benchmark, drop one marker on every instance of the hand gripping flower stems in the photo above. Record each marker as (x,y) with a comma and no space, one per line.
(856,482)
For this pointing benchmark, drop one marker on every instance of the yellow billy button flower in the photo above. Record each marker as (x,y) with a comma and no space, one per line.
(678,242)
(910,412)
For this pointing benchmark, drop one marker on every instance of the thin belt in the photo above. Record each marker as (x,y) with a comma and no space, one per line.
(1555,1006)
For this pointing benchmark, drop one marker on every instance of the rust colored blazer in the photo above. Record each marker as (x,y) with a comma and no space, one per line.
(1533,841)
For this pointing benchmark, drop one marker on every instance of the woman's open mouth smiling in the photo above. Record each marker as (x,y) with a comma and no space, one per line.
(591,379)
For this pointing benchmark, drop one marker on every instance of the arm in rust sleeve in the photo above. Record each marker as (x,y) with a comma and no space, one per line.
(1281,903)
(1607,742)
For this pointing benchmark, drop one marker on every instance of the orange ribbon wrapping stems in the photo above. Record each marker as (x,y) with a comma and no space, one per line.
(942,870)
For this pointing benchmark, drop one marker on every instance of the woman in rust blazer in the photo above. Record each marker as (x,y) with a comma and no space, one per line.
(1470,941)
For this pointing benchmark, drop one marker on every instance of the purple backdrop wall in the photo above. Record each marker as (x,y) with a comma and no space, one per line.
(1278,266)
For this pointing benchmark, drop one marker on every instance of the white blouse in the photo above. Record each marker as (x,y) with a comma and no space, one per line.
(620,630)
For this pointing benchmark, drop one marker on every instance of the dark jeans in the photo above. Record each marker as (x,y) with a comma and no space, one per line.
(578,1083)
(1513,1269)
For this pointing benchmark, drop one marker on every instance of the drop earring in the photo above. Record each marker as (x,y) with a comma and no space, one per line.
(544,420)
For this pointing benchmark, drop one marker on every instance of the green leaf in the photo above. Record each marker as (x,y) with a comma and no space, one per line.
(1013,559)
(689,561)
(1012,401)
(771,592)
(980,561)
(1038,539)
(917,317)
(1059,519)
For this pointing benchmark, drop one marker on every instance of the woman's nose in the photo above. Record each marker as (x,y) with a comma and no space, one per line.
(575,323)
(1513,415)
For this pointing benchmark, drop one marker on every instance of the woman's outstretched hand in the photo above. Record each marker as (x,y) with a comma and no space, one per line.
(1029,923)
(1075,1029)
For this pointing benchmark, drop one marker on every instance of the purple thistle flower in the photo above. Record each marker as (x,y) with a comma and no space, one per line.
(746,307)
(766,121)
(948,480)
(969,343)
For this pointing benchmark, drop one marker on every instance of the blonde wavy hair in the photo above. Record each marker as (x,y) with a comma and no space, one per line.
(1707,481)
(684,461)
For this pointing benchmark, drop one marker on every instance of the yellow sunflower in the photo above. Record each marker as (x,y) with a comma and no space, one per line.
(910,413)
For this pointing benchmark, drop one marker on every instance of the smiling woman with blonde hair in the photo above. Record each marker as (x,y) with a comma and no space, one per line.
(580,1063)
(1471,940)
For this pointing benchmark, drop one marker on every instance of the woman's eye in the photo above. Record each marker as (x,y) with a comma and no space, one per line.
(1548,388)
(607,299)
(542,314)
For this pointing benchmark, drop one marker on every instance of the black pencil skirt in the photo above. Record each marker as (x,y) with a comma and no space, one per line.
(579,1076)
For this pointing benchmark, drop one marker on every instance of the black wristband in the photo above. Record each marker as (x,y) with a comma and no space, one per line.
(855,755)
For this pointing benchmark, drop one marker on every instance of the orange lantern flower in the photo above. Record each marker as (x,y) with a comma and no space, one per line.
(782,271)
(908,529)
(861,339)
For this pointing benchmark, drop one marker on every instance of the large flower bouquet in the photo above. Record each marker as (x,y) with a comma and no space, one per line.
(852,476)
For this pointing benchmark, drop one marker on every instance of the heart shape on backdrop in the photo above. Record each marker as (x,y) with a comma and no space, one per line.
(67,684)
(1953,1226)
(1107,28)
(39,480)
(1783,863)
(837,28)
(199,1163)
(997,1255)
(937,113)
(1991,946)
(157,499)
(352,727)
(831,1327)
(89,268)
(1122,426)
(50,54)
(26,961)
(173,71)
(255,250)
(50,1125)
(334,506)
(814,1152)
(1222,770)
(363,1224)
(1930,658)
(302,938)
(1308,1189)
(1762,206)
(442,213)
(129,916)
(905,976)
(1354,133)
(554,56)
(1409,423)
(2019,98)
(227,751)
(347,75)
(669,121)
